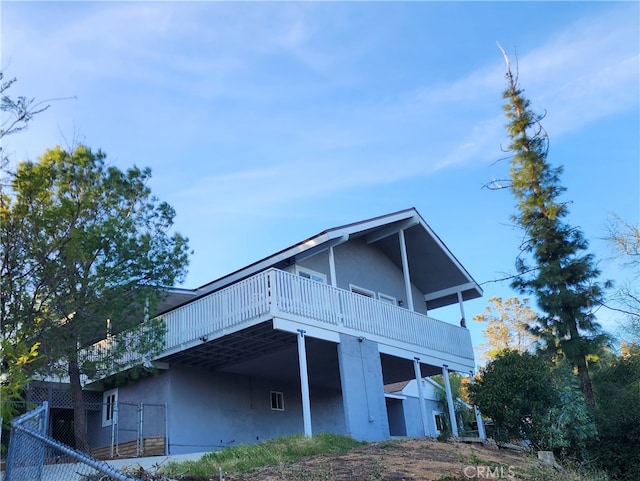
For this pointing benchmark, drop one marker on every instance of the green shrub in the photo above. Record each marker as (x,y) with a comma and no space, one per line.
(530,399)
(569,425)
(617,390)
(516,390)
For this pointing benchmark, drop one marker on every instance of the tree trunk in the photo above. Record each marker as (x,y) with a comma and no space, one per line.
(585,383)
(79,420)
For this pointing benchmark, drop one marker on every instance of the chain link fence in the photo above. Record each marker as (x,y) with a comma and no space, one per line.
(130,430)
(117,430)
(114,428)
(35,456)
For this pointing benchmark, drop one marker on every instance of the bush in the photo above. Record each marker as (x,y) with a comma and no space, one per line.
(530,399)
(617,391)
(516,390)
(569,425)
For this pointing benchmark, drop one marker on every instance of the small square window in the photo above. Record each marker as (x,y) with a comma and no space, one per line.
(277,401)
(311,275)
(388,299)
(440,421)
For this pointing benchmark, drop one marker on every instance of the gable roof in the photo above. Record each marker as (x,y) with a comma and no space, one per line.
(433,268)
(395,387)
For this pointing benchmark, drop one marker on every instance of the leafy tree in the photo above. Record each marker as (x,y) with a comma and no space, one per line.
(624,238)
(617,390)
(17,351)
(507,326)
(13,378)
(553,264)
(91,251)
(516,391)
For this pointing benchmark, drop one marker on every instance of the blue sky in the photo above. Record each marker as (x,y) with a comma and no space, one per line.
(265,123)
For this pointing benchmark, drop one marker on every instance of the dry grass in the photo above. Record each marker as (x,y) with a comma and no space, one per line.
(297,458)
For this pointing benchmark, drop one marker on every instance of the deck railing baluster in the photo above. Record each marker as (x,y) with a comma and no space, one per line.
(285,294)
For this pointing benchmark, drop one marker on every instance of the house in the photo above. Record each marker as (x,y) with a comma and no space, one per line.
(403,408)
(302,341)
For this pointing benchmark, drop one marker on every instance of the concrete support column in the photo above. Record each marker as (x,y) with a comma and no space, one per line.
(365,410)
(405,270)
(452,411)
(481,432)
(304,383)
(423,408)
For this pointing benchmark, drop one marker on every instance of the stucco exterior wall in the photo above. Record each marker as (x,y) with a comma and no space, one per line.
(318,262)
(365,266)
(411,408)
(413,417)
(152,391)
(209,410)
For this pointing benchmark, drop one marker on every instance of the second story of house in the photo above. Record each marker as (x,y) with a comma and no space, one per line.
(395,258)
(378,279)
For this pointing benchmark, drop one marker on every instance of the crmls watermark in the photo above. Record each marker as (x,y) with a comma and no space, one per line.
(490,472)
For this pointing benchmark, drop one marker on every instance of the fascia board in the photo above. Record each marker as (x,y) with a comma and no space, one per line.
(262,264)
(390,230)
(340,233)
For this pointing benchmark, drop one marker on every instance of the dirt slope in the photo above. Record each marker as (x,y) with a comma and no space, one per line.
(408,460)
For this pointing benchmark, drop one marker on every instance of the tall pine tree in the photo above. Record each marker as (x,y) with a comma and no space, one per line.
(553,265)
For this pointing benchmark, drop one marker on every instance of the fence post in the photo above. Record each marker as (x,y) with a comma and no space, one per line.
(114,427)
(166,430)
(140,447)
(34,455)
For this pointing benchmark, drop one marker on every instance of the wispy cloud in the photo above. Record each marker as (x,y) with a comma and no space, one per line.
(215,53)
(587,71)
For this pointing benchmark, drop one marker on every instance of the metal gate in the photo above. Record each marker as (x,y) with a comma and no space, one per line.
(35,456)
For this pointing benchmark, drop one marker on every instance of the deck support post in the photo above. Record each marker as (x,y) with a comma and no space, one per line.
(452,411)
(481,432)
(405,270)
(332,267)
(304,383)
(423,409)
(463,321)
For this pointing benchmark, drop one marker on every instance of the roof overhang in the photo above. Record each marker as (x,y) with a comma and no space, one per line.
(433,268)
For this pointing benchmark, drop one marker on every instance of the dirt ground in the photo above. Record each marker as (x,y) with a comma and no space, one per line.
(402,460)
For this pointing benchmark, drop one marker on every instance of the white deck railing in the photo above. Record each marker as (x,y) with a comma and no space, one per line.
(275,293)
(218,312)
(329,305)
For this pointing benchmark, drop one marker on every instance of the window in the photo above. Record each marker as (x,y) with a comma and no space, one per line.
(109,407)
(362,291)
(312,275)
(440,421)
(387,299)
(277,401)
